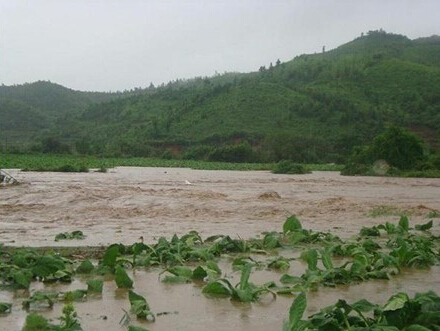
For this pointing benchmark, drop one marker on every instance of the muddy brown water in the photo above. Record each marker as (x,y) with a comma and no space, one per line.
(127,202)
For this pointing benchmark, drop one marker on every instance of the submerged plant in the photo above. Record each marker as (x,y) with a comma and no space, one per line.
(244,291)
(77,234)
(140,307)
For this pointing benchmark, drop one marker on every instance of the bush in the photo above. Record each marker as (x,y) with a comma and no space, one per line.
(400,148)
(288,167)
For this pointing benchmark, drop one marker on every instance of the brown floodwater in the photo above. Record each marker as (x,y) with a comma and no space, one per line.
(127,202)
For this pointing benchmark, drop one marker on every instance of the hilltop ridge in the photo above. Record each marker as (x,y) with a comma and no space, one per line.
(314,108)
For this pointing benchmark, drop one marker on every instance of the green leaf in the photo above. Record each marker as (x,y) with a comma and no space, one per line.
(363,306)
(245,274)
(271,241)
(280,263)
(122,279)
(36,322)
(296,311)
(212,265)
(291,224)
(110,255)
(85,267)
(136,328)
(220,287)
(404,223)
(424,227)
(326,258)
(75,295)
(95,285)
(370,232)
(77,234)
(311,257)
(176,279)
(22,278)
(47,265)
(397,301)
(199,273)
(181,271)
(5,307)
(139,306)
(288,279)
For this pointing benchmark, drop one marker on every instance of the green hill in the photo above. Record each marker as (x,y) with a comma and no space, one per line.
(314,108)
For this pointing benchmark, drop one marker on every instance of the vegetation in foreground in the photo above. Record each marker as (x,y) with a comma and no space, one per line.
(379,252)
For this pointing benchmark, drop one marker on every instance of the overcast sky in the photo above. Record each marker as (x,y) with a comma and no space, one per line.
(110,45)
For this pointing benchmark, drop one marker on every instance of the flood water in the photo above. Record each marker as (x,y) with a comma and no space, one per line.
(126,202)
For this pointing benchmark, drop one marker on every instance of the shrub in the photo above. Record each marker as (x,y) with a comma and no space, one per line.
(288,167)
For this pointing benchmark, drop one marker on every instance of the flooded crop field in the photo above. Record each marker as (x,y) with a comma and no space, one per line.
(126,203)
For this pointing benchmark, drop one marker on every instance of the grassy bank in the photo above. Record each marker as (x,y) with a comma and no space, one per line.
(48,162)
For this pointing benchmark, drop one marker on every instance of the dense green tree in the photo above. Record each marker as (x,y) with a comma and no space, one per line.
(400,148)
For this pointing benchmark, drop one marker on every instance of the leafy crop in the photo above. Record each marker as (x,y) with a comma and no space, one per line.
(378,252)
(140,307)
(398,313)
(244,291)
(77,234)
(68,321)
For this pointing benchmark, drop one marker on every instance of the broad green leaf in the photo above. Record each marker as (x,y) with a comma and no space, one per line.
(199,273)
(243,295)
(311,257)
(95,285)
(424,227)
(220,287)
(288,289)
(271,241)
(212,265)
(279,264)
(137,328)
(133,296)
(47,265)
(122,279)
(139,306)
(326,258)
(288,279)
(396,302)
(297,310)
(75,295)
(363,306)
(59,275)
(291,224)
(404,223)
(77,234)
(370,232)
(110,256)
(36,322)
(245,274)
(22,278)
(5,307)
(85,267)
(182,271)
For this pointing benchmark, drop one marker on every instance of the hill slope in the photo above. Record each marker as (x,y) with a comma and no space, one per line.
(314,108)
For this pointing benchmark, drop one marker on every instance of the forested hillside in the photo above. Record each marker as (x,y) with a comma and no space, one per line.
(314,108)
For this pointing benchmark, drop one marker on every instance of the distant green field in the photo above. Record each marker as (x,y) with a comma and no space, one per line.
(47,162)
